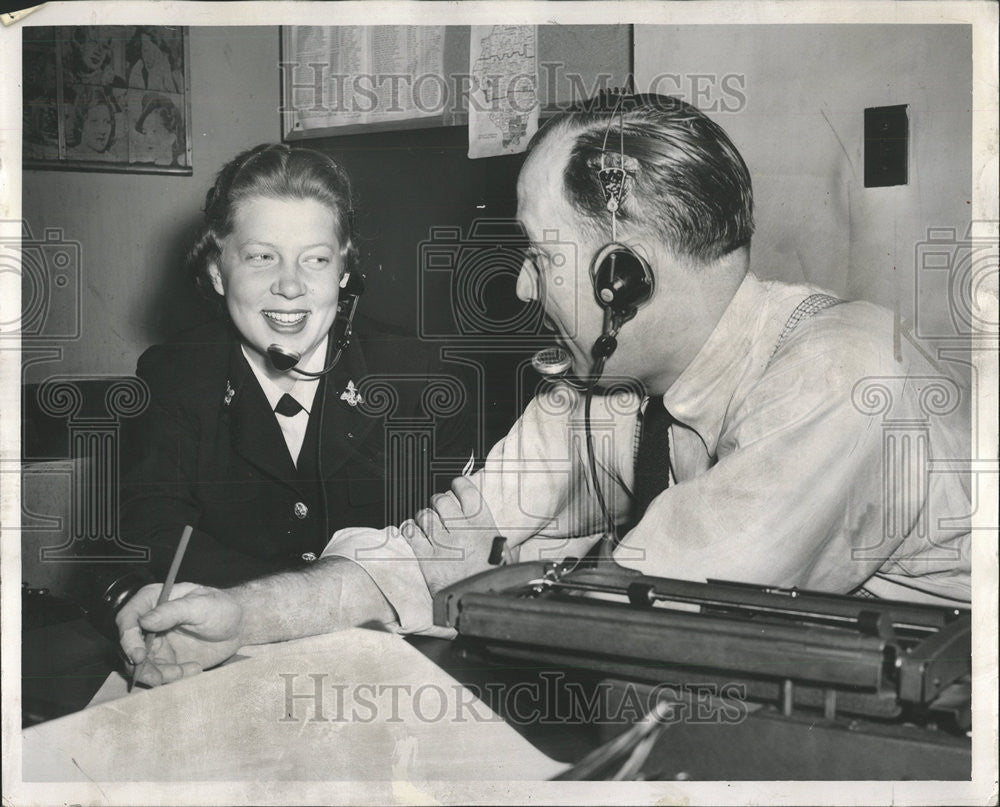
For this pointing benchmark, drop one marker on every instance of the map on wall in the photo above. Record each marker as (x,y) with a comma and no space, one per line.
(503,97)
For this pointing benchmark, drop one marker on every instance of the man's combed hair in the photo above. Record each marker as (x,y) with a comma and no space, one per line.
(690,184)
(273,171)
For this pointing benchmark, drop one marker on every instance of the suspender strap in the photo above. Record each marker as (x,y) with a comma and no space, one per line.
(812,304)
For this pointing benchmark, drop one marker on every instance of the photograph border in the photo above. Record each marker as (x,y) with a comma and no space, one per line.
(981,789)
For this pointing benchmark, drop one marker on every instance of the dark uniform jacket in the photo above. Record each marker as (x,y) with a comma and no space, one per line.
(209,452)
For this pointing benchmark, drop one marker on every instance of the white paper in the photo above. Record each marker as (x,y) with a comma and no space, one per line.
(503,97)
(384,712)
(366,74)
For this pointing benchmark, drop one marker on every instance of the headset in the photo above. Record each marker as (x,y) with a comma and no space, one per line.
(621,277)
(352,286)
(622,281)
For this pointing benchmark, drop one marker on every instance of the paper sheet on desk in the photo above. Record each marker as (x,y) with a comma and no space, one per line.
(115,686)
(386,713)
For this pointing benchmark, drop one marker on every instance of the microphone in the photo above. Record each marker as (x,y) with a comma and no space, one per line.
(284,361)
(353,285)
(551,362)
(604,347)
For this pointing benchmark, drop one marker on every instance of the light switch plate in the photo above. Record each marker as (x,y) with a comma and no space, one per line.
(887,141)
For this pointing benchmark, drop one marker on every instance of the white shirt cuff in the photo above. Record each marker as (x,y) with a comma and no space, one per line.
(389,561)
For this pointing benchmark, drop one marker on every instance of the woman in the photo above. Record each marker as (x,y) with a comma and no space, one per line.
(151,58)
(93,129)
(89,57)
(266,464)
(158,136)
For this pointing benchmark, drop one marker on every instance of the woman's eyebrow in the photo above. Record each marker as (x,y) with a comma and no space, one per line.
(256,242)
(264,243)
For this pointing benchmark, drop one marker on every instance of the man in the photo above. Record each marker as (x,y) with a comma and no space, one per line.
(765,405)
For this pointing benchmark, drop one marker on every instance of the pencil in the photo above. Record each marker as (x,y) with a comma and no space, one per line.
(168,584)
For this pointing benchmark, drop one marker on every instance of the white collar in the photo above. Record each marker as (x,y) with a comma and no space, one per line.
(304,389)
(701,396)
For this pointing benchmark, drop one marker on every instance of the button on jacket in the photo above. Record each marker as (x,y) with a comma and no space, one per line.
(209,452)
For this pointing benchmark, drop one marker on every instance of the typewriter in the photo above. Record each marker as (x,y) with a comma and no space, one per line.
(768,683)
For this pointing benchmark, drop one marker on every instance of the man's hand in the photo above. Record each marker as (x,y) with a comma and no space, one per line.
(197,628)
(452,538)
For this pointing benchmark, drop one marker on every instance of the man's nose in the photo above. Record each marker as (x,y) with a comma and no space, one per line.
(287,283)
(527,283)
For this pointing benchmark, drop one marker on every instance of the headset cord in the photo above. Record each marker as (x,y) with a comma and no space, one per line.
(324,391)
(609,522)
(607,343)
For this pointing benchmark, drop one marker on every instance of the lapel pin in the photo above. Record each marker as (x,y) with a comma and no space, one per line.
(230,392)
(351,395)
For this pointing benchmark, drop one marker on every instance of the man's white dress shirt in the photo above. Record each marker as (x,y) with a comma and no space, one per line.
(828,464)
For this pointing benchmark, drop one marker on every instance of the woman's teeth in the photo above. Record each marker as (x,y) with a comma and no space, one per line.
(285,319)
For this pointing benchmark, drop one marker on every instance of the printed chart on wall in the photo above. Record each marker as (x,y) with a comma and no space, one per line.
(379,76)
(503,98)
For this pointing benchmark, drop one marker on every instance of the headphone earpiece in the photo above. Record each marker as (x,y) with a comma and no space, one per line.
(622,279)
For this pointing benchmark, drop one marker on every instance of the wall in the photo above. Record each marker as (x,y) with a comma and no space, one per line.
(800,131)
(801,134)
(133,229)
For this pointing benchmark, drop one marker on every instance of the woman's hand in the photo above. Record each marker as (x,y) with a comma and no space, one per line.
(198,628)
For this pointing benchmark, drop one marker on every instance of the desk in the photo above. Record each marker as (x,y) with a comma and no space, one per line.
(62,667)
(355,705)
(64,664)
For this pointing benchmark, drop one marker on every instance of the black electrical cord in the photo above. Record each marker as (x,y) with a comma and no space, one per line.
(602,350)
(608,519)
(323,392)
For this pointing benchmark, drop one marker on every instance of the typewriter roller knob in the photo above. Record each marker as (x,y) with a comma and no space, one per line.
(498,555)
(640,595)
(875,623)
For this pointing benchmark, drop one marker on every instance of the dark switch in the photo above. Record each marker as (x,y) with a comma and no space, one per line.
(887,137)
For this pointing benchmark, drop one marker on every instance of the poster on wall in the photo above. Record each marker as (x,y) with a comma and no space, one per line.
(347,79)
(503,62)
(107,98)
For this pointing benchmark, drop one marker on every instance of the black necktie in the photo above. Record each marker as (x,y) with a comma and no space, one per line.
(288,406)
(652,462)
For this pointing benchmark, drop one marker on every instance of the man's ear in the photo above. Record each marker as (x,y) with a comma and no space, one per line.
(216,277)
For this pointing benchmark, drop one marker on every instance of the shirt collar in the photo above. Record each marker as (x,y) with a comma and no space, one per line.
(701,396)
(304,389)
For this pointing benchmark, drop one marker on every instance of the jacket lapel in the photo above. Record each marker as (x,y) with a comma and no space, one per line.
(345,426)
(256,434)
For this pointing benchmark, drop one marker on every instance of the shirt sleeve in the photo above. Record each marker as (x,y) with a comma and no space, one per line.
(388,560)
(537,489)
(794,498)
(537,480)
